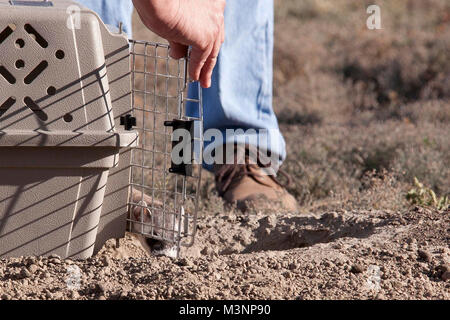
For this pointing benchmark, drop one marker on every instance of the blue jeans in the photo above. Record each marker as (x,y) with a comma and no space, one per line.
(241,92)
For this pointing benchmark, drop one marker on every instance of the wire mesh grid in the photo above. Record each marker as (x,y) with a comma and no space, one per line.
(164,205)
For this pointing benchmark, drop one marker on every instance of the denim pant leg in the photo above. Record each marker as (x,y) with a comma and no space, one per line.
(241,92)
(112,12)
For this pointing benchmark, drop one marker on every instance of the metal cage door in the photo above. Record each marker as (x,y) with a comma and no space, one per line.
(165,192)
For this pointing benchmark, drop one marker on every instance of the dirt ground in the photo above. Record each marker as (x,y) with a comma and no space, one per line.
(334,255)
(363,112)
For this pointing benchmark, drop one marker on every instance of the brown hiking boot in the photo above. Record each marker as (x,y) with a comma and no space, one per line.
(249,186)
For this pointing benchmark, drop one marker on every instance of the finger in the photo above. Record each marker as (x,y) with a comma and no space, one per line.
(208,68)
(197,60)
(177,50)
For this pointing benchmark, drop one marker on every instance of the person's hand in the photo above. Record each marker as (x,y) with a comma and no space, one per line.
(195,23)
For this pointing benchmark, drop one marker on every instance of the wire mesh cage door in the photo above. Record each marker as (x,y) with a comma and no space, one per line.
(165,192)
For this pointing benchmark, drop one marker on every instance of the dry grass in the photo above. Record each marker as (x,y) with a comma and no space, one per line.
(365,102)
(371,108)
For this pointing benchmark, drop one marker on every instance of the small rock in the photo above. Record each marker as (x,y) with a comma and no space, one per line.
(356,268)
(443,268)
(270,221)
(58,296)
(446,276)
(380,296)
(30,260)
(33,268)
(207,251)
(424,255)
(293,266)
(100,288)
(330,216)
(184,262)
(396,284)
(231,249)
(55,261)
(74,295)
(124,294)
(106,261)
(24,273)
(200,226)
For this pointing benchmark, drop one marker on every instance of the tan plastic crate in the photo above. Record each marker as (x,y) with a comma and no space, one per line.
(64,157)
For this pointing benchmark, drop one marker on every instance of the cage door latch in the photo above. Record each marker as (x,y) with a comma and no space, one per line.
(128,122)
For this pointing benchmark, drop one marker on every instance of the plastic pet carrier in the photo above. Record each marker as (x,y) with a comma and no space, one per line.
(87,134)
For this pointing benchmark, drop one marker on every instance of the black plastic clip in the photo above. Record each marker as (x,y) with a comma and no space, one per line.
(185,169)
(128,122)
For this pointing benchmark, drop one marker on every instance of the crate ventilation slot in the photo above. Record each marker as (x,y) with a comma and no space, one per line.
(6,33)
(7,75)
(6,105)
(35,108)
(36,72)
(36,36)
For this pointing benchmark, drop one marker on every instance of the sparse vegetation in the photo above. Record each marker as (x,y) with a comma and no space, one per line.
(353,102)
(423,196)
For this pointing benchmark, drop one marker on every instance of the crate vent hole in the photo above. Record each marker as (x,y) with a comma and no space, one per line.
(7,75)
(68,117)
(7,32)
(60,54)
(6,105)
(20,43)
(35,108)
(36,72)
(20,64)
(51,91)
(36,36)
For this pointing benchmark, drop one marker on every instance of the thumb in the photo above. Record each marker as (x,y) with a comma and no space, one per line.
(177,50)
